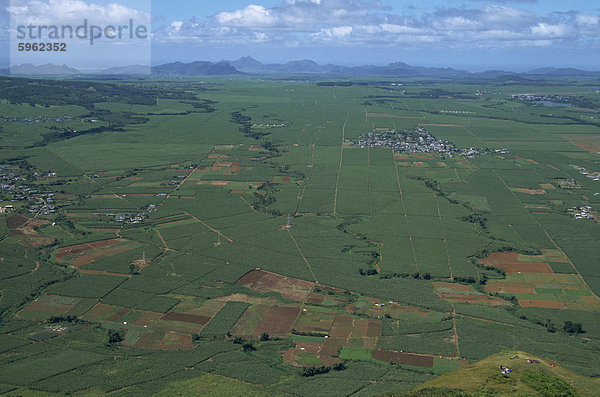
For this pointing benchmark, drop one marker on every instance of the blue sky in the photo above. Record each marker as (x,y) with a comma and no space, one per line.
(466,34)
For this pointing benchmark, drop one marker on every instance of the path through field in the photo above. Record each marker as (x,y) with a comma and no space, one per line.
(301,254)
(337,180)
(412,246)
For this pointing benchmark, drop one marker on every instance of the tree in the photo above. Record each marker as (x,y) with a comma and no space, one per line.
(573,328)
(115,336)
(238,340)
(264,337)
(339,367)
(248,347)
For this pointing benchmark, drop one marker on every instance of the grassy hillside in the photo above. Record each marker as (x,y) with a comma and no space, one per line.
(484,378)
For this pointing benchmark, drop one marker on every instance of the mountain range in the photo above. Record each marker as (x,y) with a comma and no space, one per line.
(250,66)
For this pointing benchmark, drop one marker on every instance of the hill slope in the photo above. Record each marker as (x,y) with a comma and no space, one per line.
(484,378)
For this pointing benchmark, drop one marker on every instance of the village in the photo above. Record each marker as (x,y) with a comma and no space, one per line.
(592,175)
(583,212)
(13,188)
(419,140)
(33,120)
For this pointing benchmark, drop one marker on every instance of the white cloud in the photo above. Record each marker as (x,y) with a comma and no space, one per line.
(369,23)
(251,16)
(37,12)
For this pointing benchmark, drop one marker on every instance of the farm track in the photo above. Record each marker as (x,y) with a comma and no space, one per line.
(301,254)
(455,332)
(412,246)
(337,180)
(249,205)
(369,178)
(208,226)
(439,214)
(103,187)
(186,178)
(310,166)
(163,240)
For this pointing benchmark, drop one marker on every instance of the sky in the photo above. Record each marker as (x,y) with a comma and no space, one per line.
(473,35)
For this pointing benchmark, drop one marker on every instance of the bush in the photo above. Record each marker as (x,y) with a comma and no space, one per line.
(547,385)
(238,340)
(312,371)
(573,328)
(248,347)
(115,336)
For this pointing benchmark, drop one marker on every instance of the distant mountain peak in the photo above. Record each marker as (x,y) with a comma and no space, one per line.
(47,69)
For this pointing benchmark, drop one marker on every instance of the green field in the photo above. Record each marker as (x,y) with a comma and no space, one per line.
(128,284)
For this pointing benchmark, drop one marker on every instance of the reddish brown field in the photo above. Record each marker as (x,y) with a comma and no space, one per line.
(92,256)
(315,298)
(360,328)
(391,356)
(494,301)
(374,328)
(174,222)
(531,191)
(401,156)
(237,191)
(187,318)
(47,307)
(587,143)
(332,345)
(289,287)
(509,288)
(30,238)
(419,163)
(101,311)
(341,327)
(278,320)
(148,319)
(80,248)
(424,156)
(509,262)
(149,340)
(16,221)
(175,341)
(118,314)
(542,304)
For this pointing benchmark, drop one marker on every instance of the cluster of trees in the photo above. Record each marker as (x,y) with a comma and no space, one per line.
(368,272)
(245,127)
(249,346)
(568,326)
(416,275)
(476,218)
(265,196)
(312,371)
(63,319)
(115,336)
